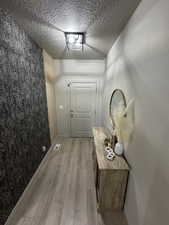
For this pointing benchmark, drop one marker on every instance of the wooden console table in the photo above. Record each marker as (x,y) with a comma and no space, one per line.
(110,176)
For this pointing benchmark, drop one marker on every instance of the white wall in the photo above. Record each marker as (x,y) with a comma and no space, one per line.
(50,76)
(87,67)
(76,70)
(138,63)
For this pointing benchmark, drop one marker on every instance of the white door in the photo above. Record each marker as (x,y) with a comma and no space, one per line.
(82,108)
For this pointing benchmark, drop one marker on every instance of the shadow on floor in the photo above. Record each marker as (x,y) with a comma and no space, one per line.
(112,218)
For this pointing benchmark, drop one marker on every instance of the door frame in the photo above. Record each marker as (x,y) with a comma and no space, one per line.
(97,101)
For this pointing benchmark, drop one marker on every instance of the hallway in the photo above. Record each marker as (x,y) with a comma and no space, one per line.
(67,67)
(63,192)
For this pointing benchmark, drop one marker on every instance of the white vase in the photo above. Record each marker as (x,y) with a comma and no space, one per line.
(119,148)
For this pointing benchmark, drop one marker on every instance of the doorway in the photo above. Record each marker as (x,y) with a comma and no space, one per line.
(82,108)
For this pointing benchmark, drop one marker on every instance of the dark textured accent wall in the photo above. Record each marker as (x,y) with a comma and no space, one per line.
(23,112)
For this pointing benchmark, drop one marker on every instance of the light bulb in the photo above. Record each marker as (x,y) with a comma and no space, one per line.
(71,38)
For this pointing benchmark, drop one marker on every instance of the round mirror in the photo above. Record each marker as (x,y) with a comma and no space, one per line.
(117,104)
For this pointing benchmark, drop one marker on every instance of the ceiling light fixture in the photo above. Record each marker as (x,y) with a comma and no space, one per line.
(75,40)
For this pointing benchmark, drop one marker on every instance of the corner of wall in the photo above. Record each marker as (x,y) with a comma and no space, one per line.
(51,76)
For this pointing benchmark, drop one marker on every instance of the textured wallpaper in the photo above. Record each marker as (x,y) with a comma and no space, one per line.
(23,112)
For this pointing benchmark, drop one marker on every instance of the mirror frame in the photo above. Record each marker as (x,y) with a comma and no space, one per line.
(124,100)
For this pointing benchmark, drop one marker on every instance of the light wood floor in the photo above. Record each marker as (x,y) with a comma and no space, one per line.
(64,191)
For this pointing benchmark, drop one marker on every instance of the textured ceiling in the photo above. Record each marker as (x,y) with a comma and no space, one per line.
(46,21)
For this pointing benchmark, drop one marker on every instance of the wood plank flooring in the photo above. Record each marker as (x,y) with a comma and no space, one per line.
(64,191)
